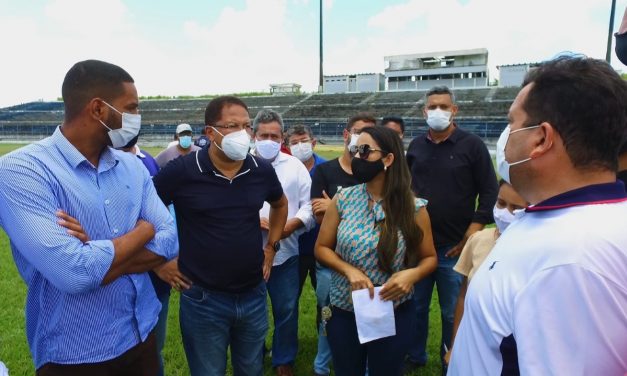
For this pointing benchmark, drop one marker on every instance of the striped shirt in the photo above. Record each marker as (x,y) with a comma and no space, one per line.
(357,239)
(70,317)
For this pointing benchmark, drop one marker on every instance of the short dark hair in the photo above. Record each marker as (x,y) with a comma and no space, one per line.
(623,145)
(585,101)
(298,130)
(90,79)
(395,119)
(213,112)
(440,89)
(362,116)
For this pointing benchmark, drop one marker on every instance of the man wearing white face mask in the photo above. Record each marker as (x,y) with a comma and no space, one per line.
(217,192)
(283,286)
(302,142)
(550,298)
(85,225)
(183,145)
(452,169)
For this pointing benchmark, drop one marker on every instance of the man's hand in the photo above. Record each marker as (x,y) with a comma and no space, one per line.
(447,357)
(320,205)
(268,259)
(265,223)
(359,280)
(169,272)
(399,285)
(455,251)
(72,225)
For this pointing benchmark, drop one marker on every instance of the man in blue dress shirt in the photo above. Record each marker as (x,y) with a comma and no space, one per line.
(85,225)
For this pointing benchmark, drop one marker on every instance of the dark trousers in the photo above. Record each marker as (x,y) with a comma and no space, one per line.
(140,360)
(306,265)
(383,357)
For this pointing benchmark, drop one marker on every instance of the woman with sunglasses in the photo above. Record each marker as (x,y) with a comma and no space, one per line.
(375,234)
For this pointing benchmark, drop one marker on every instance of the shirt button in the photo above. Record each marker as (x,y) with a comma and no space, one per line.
(107,202)
(115,230)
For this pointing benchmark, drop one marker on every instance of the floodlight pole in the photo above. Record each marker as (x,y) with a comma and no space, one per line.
(321,78)
(608,53)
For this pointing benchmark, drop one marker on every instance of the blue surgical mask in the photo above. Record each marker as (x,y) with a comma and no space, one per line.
(185,141)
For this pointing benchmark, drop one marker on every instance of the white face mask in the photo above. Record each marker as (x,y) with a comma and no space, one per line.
(235,145)
(438,120)
(353,141)
(267,149)
(303,151)
(501,163)
(131,124)
(502,218)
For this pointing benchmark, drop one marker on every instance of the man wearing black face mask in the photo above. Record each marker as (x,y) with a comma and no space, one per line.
(621,40)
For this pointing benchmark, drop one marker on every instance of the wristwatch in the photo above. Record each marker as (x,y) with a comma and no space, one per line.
(276,246)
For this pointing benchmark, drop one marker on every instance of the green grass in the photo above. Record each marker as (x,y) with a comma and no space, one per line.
(14,349)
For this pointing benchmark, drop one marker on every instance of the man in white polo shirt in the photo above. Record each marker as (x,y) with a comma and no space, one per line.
(551,298)
(283,285)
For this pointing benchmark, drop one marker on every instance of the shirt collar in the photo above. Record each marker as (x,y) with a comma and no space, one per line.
(205,165)
(139,153)
(74,157)
(589,195)
(280,158)
(453,137)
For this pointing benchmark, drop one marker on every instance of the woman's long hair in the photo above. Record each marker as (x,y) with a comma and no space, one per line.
(398,203)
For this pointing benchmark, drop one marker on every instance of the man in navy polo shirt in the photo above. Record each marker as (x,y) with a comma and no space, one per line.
(551,298)
(218,192)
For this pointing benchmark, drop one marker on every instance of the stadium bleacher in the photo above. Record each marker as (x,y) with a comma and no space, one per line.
(483,111)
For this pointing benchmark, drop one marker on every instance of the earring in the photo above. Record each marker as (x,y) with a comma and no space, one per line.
(385,168)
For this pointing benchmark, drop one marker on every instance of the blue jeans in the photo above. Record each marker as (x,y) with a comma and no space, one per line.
(283,288)
(448,283)
(323,286)
(161,328)
(213,320)
(381,357)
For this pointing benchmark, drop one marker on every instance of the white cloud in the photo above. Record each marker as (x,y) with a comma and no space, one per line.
(396,17)
(512,31)
(246,49)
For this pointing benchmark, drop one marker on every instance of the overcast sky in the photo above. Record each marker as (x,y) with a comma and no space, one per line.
(217,46)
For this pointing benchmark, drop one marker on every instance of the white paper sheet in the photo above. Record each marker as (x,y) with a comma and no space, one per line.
(374,317)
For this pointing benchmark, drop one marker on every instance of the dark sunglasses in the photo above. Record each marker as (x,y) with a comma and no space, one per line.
(364,150)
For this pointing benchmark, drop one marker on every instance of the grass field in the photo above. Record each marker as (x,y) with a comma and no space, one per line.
(15,354)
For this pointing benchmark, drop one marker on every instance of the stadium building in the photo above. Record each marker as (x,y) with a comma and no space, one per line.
(512,75)
(354,83)
(455,69)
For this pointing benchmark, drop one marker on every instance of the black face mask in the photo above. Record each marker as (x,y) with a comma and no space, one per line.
(621,47)
(365,170)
